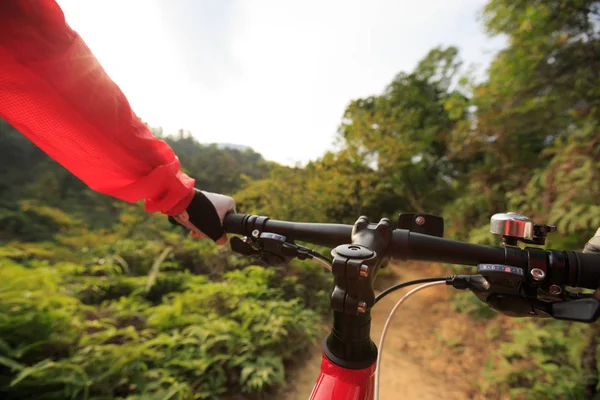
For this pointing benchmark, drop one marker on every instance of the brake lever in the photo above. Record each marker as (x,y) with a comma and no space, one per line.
(242,247)
(580,310)
(507,292)
(270,247)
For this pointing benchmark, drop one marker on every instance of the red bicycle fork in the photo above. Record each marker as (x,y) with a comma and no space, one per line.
(337,383)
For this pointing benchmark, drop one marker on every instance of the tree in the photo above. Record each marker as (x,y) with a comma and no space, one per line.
(535,126)
(403,133)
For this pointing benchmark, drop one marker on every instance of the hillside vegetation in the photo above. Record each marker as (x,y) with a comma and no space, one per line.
(99,300)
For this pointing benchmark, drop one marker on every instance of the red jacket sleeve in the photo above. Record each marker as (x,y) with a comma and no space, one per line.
(54,91)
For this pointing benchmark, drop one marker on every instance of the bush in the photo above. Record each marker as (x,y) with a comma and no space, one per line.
(32,222)
(546,359)
(142,311)
(67,334)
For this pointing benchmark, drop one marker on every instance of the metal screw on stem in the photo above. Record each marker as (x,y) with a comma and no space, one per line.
(362,307)
(554,289)
(364,271)
(420,220)
(537,274)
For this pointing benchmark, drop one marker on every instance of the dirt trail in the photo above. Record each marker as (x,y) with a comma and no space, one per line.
(430,352)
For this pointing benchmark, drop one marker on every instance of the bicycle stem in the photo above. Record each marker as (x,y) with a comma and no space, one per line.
(354,267)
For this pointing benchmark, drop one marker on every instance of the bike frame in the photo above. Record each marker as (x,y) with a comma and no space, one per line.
(335,382)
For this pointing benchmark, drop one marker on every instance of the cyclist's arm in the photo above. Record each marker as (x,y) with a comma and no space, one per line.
(54,91)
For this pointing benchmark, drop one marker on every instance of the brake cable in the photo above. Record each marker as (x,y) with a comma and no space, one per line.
(410,283)
(387,322)
(321,261)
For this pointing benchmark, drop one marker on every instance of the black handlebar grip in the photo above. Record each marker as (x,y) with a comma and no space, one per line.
(584,269)
(330,235)
(234,223)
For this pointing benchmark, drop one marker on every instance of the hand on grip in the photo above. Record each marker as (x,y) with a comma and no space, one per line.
(593,245)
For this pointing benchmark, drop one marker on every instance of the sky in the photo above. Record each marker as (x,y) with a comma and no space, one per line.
(275,75)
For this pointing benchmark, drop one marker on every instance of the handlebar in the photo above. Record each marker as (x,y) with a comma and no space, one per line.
(584,269)
(561,267)
(329,235)
(511,278)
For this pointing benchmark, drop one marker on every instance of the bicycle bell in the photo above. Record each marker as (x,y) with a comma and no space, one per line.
(516,227)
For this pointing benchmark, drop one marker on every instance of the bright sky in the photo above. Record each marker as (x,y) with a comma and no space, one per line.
(275,75)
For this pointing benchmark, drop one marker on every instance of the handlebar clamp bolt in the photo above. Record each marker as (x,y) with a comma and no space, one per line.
(255,233)
(364,271)
(538,274)
(554,289)
(362,307)
(420,220)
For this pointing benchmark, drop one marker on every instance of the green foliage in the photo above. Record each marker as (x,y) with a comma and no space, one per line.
(547,359)
(568,187)
(68,334)
(142,311)
(284,194)
(217,169)
(33,222)
(533,146)
(401,134)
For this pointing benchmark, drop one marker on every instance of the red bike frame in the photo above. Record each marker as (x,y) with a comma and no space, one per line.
(337,383)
